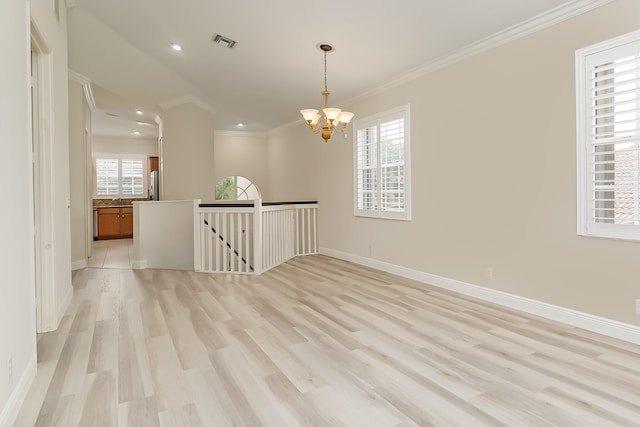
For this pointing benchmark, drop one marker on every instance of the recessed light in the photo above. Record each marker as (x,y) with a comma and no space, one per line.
(176,46)
(139,112)
(141,123)
(136,133)
(240,125)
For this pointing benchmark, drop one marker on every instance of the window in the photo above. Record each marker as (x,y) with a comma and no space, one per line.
(119,177)
(608,130)
(382,173)
(236,187)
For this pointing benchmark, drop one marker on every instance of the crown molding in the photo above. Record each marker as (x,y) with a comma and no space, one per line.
(86,87)
(77,77)
(189,99)
(537,23)
(522,29)
(88,93)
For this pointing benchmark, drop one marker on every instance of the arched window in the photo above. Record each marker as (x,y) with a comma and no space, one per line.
(236,188)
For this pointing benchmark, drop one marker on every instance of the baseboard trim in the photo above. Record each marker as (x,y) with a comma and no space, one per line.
(79,264)
(139,264)
(16,399)
(590,322)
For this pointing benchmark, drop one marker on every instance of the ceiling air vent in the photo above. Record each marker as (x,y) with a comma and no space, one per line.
(224,41)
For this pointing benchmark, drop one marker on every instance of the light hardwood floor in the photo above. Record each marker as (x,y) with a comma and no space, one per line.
(115,253)
(317,342)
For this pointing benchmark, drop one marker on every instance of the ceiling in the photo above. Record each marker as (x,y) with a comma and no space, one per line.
(276,68)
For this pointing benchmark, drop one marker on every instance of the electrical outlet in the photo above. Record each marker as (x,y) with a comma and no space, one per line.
(10,368)
(488,273)
(638,306)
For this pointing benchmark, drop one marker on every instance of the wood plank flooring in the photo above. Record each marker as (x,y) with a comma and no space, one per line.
(317,342)
(115,253)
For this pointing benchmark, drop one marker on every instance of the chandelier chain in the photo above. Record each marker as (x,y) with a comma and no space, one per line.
(325,70)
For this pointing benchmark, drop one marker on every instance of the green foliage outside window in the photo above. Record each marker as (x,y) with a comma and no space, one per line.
(226,189)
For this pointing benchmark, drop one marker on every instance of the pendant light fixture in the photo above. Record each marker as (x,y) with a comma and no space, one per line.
(332,118)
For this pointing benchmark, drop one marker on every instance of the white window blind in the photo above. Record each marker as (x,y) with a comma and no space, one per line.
(366,168)
(107,177)
(609,138)
(381,154)
(119,177)
(132,177)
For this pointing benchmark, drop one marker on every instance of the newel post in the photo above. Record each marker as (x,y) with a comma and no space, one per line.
(197,246)
(257,236)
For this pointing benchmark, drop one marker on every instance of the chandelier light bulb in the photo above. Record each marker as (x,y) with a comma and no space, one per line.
(309,114)
(331,113)
(345,117)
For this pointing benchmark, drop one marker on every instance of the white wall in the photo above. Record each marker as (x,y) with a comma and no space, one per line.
(163,234)
(17,295)
(299,165)
(58,246)
(244,154)
(147,147)
(80,183)
(494,175)
(187,153)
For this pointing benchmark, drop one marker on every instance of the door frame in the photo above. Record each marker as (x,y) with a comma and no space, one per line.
(44,181)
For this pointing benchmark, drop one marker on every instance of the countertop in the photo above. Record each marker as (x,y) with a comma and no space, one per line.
(113,206)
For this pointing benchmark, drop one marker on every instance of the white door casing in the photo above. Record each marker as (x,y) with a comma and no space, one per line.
(43,185)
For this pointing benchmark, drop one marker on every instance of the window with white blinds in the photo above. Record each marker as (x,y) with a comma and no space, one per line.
(609,138)
(381,153)
(107,177)
(132,177)
(119,177)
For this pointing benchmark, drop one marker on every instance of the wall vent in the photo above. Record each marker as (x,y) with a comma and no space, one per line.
(224,41)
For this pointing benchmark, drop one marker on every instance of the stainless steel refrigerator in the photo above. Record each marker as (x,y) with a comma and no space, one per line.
(154,186)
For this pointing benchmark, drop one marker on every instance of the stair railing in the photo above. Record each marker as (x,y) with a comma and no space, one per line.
(252,237)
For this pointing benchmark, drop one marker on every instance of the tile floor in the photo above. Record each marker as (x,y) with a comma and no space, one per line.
(111,253)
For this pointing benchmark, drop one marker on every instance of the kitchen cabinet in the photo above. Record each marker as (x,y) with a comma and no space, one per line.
(115,223)
(153,164)
(126,222)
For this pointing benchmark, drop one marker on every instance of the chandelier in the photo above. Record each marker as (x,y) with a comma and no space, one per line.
(334,118)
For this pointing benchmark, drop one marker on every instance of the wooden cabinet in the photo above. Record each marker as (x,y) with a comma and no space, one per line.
(108,223)
(126,222)
(115,223)
(153,164)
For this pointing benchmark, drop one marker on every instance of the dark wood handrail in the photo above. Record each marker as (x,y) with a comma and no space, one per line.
(250,203)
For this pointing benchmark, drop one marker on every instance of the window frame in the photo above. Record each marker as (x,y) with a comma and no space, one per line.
(121,157)
(609,50)
(376,120)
